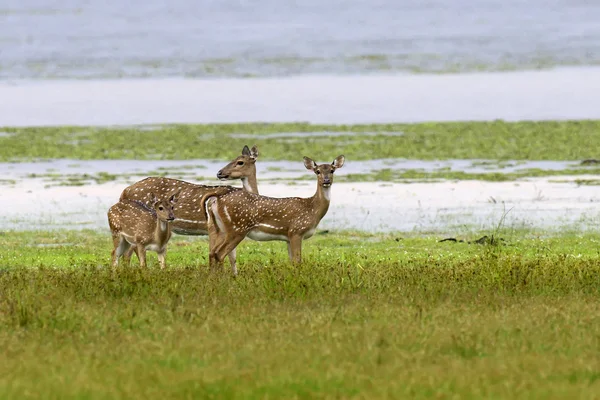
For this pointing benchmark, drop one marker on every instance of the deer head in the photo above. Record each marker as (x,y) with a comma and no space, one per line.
(242,166)
(324,172)
(164,207)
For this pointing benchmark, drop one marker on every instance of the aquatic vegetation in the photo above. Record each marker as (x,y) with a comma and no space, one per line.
(497,140)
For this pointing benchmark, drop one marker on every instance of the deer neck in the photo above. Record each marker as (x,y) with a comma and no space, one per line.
(250,184)
(162,231)
(321,200)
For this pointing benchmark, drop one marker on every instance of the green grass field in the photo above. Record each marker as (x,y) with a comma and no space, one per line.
(365,316)
(395,315)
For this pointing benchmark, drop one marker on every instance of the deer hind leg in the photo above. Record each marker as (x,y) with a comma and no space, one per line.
(228,247)
(120,246)
(128,254)
(219,242)
(213,231)
(232,261)
(217,236)
(295,249)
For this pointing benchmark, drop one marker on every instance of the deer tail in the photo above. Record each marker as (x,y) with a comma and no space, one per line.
(213,193)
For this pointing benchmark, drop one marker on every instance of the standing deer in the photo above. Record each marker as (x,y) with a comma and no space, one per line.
(136,226)
(235,215)
(189,217)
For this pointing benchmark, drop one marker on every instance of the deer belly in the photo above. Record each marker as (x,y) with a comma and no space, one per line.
(262,236)
(309,233)
(189,227)
(154,247)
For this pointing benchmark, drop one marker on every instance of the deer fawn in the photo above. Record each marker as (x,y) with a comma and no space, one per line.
(134,225)
(235,215)
(189,217)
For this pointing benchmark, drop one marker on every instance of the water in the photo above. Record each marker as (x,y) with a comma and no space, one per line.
(557,94)
(222,38)
(205,170)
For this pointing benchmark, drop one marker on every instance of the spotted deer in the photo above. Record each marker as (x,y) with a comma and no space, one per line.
(189,217)
(235,215)
(137,226)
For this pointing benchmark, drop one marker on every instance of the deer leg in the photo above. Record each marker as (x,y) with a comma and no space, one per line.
(114,255)
(128,254)
(215,236)
(289,246)
(228,247)
(232,257)
(120,246)
(135,250)
(141,253)
(219,242)
(161,258)
(296,249)
(215,241)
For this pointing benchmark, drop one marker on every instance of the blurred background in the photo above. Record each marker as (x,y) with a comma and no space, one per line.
(81,39)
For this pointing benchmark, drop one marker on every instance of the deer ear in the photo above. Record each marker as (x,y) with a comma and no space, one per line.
(254,152)
(153,198)
(338,162)
(246,151)
(310,164)
(174,196)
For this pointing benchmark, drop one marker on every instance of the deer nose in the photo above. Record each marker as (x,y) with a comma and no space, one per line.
(221,175)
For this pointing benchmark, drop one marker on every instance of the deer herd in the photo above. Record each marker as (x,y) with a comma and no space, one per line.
(150,210)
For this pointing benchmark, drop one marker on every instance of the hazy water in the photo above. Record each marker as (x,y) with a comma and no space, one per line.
(116,38)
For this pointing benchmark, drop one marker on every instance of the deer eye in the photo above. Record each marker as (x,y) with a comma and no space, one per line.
(161,208)
(240,163)
(318,172)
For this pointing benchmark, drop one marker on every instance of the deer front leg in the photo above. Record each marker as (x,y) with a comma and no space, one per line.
(296,249)
(289,246)
(141,253)
(161,258)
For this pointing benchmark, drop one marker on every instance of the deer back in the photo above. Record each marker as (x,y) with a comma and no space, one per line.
(289,215)
(189,216)
(133,219)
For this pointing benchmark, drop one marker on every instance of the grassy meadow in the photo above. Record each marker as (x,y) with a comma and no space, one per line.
(365,316)
(388,315)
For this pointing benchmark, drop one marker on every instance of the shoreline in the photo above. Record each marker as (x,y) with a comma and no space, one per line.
(455,207)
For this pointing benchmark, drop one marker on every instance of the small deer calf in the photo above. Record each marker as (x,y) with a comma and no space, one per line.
(133,223)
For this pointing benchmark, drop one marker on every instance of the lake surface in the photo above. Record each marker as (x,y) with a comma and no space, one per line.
(189,38)
(557,94)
